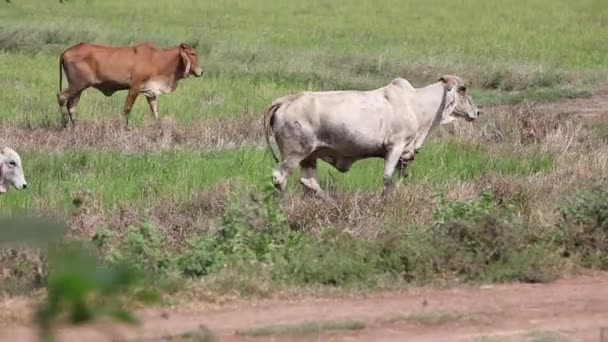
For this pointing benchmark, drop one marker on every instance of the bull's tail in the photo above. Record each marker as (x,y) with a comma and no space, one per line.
(268,123)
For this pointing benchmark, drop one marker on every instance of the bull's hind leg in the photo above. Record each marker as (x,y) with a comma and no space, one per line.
(285,168)
(72,103)
(65,97)
(309,175)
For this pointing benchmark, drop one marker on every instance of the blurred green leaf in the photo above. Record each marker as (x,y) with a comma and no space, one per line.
(30,230)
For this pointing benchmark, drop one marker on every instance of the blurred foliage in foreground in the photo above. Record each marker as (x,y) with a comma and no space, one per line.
(80,286)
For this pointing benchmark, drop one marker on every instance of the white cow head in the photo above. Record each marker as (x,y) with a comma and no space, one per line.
(458,102)
(11,171)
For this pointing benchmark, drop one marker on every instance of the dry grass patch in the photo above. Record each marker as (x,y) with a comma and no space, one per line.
(16,310)
(361,214)
(110,134)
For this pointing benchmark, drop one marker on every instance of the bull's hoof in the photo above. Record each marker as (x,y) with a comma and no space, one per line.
(311,187)
(278,182)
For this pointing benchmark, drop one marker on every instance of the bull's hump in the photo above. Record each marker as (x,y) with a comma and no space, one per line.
(403,83)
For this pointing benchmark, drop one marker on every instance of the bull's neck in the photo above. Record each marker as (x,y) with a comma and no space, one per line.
(430,105)
(172,65)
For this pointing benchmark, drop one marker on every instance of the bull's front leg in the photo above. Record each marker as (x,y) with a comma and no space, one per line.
(390,162)
(403,163)
(309,176)
(131,97)
(402,167)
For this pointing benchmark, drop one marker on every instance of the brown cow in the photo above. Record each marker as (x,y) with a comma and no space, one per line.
(141,69)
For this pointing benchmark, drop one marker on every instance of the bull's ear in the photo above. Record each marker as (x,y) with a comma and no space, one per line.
(449,81)
(183,46)
(186,62)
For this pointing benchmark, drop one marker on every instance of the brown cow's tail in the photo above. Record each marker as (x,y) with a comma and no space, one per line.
(268,123)
(60,72)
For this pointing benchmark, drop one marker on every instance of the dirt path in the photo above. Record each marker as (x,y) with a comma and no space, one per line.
(567,310)
(596,104)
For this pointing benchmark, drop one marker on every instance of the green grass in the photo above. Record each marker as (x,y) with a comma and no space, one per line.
(307,328)
(141,179)
(255,51)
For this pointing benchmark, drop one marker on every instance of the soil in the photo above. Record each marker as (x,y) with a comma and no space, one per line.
(574,309)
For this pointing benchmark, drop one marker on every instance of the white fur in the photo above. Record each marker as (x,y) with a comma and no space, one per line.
(156,87)
(341,127)
(11,171)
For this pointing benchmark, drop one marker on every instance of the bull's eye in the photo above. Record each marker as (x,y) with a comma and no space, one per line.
(12,163)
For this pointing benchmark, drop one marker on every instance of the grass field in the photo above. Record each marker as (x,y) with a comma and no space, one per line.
(255,51)
(204,170)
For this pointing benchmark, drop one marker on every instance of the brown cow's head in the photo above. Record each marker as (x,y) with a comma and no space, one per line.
(190,60)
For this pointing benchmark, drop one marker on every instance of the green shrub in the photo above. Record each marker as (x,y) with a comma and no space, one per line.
(584,228)
(477,240)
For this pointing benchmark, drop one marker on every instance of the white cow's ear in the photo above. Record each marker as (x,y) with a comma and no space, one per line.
(449,81)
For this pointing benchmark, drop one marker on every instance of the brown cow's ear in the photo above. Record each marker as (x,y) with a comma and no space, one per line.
(2,152)
(449,81)
(186,61)
(183,46)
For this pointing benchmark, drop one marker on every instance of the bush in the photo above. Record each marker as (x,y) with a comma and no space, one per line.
(477,240)
(584,228)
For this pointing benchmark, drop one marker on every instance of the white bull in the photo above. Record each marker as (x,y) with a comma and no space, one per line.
(341,127)
(11,171)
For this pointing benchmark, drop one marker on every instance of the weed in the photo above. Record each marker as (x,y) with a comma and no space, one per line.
(437,318)
(306,328)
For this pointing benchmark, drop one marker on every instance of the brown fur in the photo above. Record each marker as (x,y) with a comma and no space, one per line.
(113,68)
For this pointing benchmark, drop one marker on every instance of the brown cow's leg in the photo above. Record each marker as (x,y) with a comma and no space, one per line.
(131,97)
(65,97)
(153,103)
(309,175)
(72,103)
